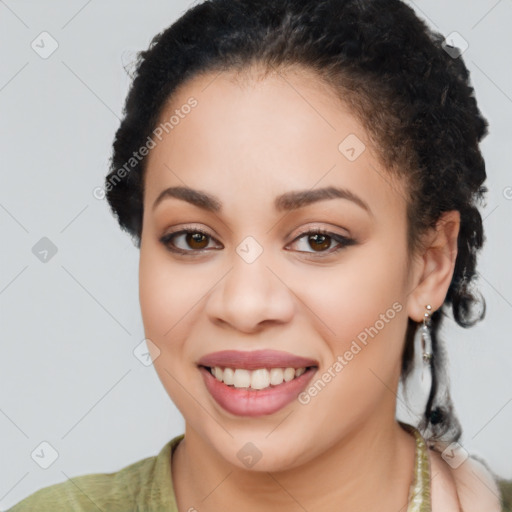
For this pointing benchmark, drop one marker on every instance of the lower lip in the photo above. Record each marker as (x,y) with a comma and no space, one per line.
(249,402)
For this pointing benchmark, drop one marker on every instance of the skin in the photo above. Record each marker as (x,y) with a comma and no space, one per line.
(246,142)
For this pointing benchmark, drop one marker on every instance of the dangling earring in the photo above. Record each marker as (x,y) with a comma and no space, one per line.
(419,382)
(426,339)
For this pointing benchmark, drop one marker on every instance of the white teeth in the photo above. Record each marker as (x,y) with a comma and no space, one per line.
(276,376)
(289,374)
(261,378)
(242,378)
(217,372)
(229,376)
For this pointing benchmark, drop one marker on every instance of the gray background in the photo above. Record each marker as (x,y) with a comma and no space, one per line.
(69,326)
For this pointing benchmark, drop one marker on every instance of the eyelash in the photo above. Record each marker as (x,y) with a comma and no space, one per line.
(343,241)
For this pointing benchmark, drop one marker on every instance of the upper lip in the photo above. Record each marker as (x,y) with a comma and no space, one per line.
(252,360)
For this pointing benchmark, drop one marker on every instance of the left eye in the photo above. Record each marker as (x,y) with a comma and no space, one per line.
(320,241)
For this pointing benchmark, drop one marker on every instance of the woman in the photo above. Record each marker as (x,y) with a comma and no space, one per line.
(302,180)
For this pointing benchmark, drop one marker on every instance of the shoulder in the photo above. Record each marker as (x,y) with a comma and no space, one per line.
(117,491)
(468,487)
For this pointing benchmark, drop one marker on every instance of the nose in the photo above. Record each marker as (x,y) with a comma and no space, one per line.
(250,296)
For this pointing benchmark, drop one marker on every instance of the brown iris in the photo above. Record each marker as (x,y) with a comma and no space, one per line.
(323,241)
(194,240)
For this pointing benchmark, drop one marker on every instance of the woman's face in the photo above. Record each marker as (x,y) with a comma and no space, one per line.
(257,165)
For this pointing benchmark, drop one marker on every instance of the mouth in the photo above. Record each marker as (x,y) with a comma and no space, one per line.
(258,379)
(257,392)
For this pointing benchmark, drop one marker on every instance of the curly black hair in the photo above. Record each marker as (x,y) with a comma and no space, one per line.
(411,93)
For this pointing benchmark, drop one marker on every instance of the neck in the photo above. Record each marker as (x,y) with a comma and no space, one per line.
(369,469)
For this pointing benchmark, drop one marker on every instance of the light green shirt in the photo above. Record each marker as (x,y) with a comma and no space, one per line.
(146,486)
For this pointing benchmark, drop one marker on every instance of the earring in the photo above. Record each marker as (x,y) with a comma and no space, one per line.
(426,339)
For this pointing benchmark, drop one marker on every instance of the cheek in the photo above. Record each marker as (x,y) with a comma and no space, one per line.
(168,298)
(167,295)
(359,312)
(361,299)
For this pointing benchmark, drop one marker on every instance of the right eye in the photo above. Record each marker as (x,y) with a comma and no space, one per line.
(192,240)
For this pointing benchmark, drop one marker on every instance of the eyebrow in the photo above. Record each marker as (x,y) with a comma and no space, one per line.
(285,202)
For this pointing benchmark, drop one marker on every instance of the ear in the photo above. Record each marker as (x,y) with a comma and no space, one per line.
(433,266)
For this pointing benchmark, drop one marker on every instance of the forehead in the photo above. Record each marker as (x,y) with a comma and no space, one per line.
(283,131)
